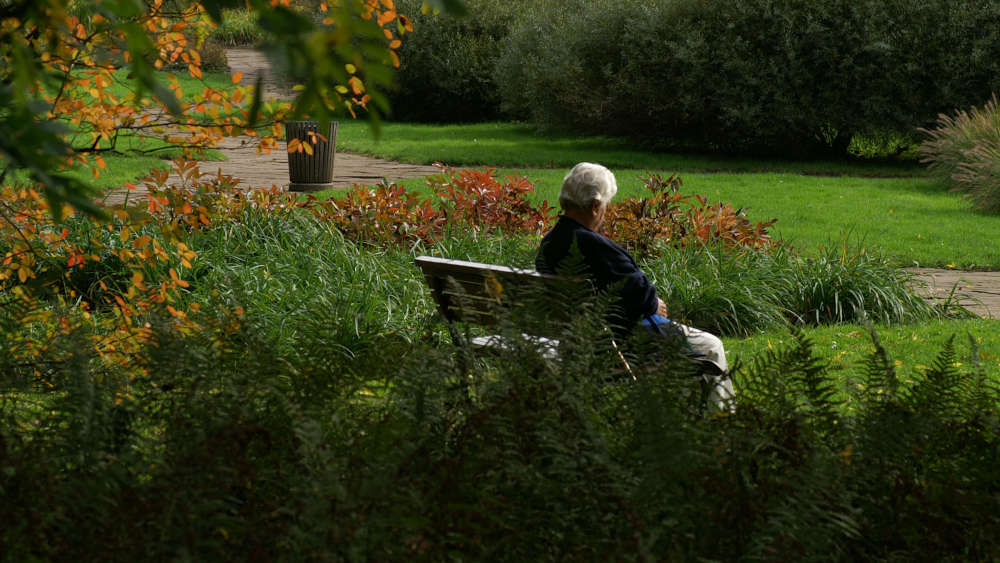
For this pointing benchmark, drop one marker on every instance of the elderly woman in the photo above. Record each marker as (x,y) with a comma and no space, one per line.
(586,191)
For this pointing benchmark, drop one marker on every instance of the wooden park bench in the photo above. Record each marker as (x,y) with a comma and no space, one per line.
(475,293)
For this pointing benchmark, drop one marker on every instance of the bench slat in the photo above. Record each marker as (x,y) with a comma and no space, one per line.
(471,291)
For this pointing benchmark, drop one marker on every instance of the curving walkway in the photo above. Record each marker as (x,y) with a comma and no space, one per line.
(977,291)
(266,170)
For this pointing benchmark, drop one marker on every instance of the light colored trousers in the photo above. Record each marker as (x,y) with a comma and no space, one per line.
(709,345)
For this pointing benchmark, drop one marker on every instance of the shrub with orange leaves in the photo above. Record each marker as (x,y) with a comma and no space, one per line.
(670,217)
(477,198)
(382,215)
(108,275)
(467,199)
(60,60)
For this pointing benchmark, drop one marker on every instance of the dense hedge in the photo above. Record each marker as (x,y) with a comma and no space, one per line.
(447,63)
(785,75)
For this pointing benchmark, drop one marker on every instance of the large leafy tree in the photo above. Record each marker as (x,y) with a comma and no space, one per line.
(58,59)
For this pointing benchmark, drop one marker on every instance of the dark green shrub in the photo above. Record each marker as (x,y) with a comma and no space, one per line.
(216,453)
(445,74)
(964,150)
(772,75)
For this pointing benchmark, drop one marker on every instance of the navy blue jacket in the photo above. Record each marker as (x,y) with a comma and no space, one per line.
(606,263)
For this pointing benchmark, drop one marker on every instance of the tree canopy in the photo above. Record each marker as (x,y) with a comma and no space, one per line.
(59,58)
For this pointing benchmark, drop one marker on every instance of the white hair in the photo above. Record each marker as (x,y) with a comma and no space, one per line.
(585,184)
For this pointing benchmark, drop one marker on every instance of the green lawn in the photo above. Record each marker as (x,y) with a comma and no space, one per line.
(520,145)
(913,220)
(890,206)
(912,348)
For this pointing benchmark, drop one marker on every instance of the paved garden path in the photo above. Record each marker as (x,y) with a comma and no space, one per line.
(978,291)
(255,170)
(267,170)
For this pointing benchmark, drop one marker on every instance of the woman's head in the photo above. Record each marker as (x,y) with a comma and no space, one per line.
(585,184)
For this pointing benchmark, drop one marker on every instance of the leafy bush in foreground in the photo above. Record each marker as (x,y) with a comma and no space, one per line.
(218,452)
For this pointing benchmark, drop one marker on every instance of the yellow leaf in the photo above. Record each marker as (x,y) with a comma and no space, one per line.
(350,68)
(357,85)
(141,241)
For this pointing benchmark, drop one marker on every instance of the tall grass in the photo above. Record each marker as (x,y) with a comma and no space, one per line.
(230,448)
(741,293)
(239,28)
(964,150)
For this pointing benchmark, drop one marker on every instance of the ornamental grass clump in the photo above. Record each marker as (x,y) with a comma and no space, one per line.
(964,151)
(739,292)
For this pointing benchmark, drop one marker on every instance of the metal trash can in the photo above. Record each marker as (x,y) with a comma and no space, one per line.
(310,172)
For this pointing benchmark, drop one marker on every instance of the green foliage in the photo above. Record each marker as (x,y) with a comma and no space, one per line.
(782,76)
(463,199)
(736,292)
(964,150)
(238,28)
(667,217)
(446,67)
(220,451)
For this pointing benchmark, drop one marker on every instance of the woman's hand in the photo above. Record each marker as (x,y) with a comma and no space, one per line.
(661,308)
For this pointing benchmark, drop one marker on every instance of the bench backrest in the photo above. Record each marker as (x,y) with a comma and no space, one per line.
(471,291)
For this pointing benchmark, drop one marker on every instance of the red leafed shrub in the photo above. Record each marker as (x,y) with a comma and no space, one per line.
(383,214)
(670,217)
(468,198)
(477,198)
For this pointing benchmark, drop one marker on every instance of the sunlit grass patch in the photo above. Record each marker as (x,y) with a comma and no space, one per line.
(911,347)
